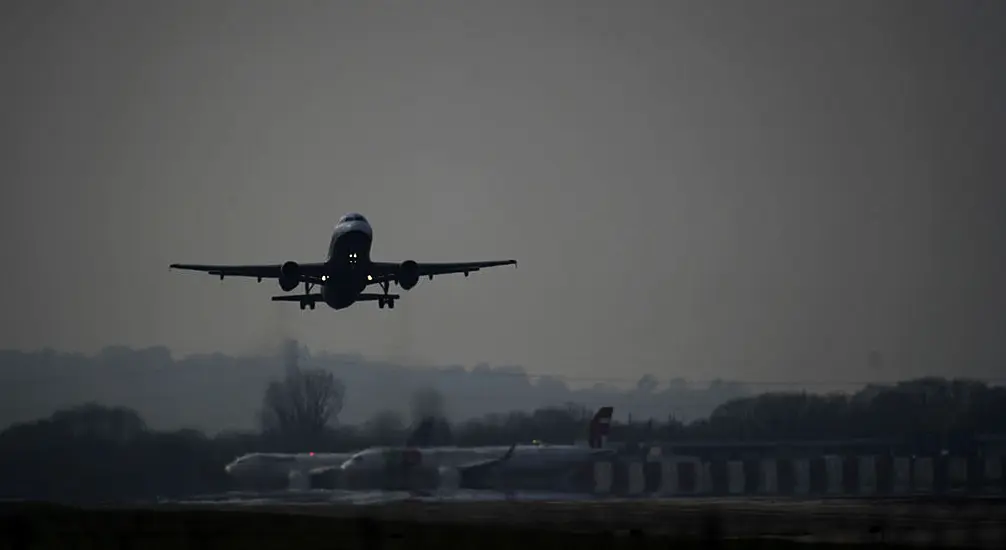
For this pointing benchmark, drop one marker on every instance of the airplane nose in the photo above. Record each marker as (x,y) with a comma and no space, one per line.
(229,468)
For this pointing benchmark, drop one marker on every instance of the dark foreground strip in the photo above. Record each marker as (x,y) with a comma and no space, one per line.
(421,525)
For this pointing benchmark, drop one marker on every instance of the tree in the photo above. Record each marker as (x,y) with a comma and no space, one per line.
(298,408)
(428,406)
(647,384)
(677,385)
(100,421)
(385,426)
(552,386)
(427,402)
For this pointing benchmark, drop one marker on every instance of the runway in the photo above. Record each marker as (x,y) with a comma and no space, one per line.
(366,498)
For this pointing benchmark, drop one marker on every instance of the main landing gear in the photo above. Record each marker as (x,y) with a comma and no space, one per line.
(307,301)
(386,300)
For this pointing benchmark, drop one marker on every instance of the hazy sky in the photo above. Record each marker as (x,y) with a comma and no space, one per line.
(758,190)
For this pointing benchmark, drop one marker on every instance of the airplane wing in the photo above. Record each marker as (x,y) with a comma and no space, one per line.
(388,271)
(481,466)
(324,469)
(308,272)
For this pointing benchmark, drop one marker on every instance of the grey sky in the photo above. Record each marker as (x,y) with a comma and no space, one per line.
(753,190)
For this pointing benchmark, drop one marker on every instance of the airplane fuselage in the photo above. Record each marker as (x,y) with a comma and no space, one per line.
(278,468)
(348,264)
(372,468)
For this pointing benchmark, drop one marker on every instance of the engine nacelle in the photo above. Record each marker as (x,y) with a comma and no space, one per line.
(408,274)
(289,276)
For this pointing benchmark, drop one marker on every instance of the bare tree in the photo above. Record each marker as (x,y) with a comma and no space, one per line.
(299,407)
(427,402)
(385,426)
(647,384)
(429,416)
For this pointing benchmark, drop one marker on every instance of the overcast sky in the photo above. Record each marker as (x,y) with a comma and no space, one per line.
(758,190)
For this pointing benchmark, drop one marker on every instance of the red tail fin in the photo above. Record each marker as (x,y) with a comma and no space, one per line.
(599,427)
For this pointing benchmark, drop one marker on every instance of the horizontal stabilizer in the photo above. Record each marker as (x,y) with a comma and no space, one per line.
(308,298)
(374,297)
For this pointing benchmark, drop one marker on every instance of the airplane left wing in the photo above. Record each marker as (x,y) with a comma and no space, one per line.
(389,271)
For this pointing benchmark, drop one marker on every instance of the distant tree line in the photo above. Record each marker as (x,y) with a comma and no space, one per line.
(214,392)
(95,451)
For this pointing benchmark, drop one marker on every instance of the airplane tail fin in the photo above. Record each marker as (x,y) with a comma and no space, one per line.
(599,427)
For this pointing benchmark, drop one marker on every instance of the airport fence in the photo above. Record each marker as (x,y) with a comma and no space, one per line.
(830,475)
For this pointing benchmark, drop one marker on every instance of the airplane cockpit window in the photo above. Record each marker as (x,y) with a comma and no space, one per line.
(353,217)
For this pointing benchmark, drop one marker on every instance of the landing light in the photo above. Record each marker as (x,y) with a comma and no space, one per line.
(370,277)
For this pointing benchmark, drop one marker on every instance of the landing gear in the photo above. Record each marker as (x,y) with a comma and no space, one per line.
(306,301)
(386,300)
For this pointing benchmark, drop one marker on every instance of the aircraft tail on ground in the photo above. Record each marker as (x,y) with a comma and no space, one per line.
(599,427)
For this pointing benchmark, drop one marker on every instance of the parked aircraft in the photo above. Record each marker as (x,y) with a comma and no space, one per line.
(346,272)
(470,467)
(296,469)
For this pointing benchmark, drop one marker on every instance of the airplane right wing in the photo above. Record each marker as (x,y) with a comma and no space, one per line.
(303,272)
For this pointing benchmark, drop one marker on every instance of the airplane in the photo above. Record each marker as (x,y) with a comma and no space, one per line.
(271,469)
(452,467)
(346,272)
(297,469)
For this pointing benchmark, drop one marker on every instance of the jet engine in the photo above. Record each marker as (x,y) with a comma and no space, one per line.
(408,274)
(289,276)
